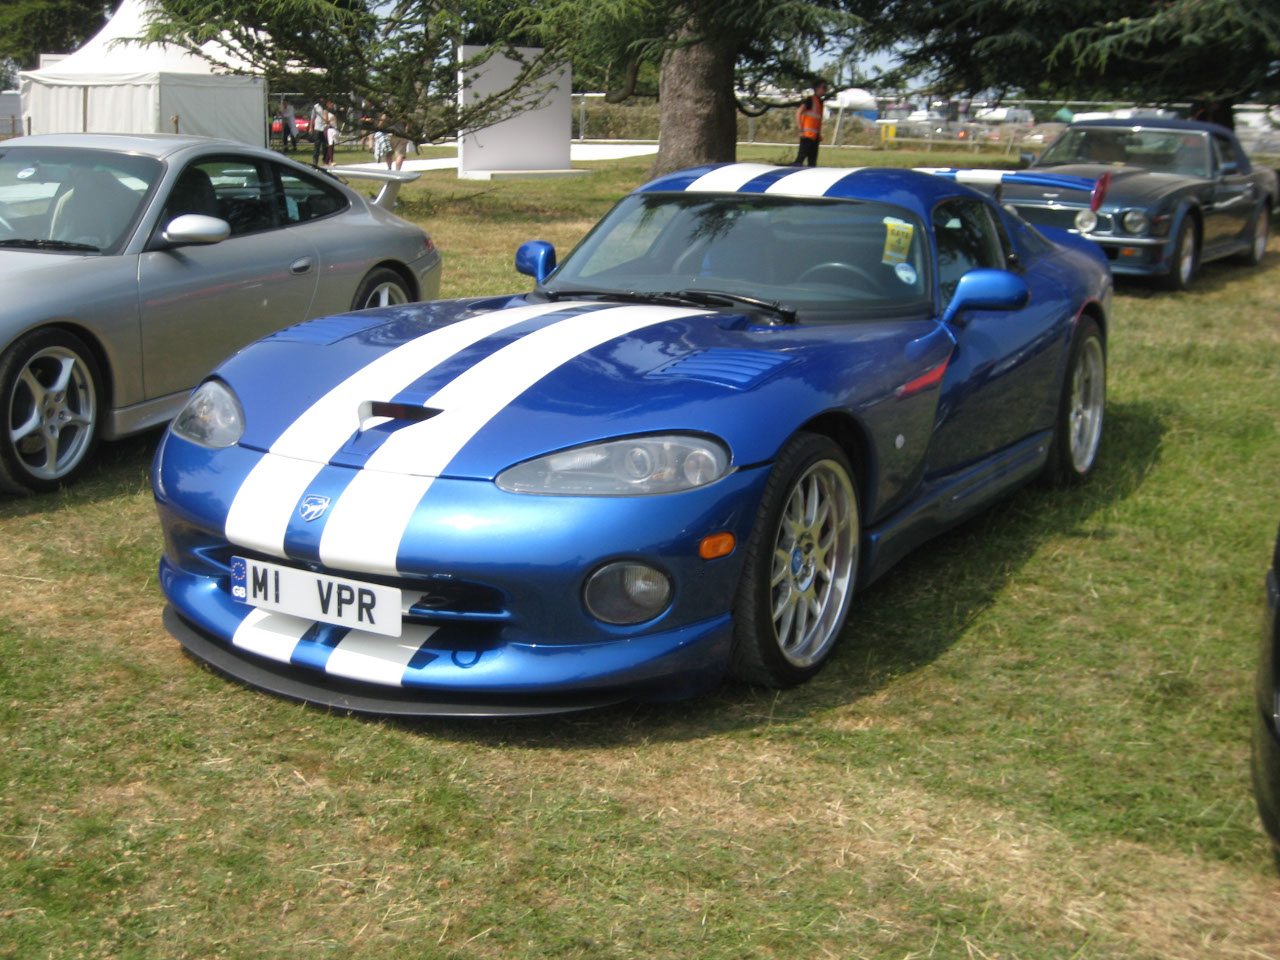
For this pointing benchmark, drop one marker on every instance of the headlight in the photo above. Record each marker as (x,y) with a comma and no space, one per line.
(637,466)
(1086,220)
(212,417)
(1135,221)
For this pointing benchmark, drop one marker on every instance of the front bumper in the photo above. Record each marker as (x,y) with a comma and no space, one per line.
(1136,256)
(505,631)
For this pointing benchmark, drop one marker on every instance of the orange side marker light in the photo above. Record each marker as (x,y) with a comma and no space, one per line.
(716,545)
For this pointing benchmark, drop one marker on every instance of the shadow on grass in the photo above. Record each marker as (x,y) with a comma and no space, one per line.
(120,468)
(904,621)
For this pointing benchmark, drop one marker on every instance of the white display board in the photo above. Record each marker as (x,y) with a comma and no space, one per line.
(532,143)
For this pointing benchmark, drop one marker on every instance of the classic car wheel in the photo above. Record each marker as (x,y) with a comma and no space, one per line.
(1078,430)
(381,288)
(800,565)
(1258,246)
(1186,256)
(50,384)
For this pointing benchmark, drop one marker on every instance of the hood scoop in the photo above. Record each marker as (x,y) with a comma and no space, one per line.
(739,369)
(378,420)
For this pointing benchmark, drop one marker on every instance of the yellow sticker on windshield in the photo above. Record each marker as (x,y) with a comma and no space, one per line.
(897,240)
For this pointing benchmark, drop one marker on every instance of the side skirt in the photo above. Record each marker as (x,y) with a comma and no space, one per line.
(945,501)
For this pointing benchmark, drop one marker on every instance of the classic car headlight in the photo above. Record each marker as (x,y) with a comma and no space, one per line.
(636,466)
(1086,220)
(1135,221)
(212,417)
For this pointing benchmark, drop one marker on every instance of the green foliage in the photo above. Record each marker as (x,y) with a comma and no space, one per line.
(29,28)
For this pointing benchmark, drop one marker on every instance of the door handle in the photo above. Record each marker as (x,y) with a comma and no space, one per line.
(301,265)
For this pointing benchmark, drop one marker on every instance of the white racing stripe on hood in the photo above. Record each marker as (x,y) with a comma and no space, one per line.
(810,182)
(263,506)
(729,179)
(367,522)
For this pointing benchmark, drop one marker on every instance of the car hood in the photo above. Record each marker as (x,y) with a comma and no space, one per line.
(1130,186)
(466,388)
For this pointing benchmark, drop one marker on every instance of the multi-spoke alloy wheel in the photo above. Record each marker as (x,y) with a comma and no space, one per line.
(1082,408)
(801,565)
(381,288)
(50,387)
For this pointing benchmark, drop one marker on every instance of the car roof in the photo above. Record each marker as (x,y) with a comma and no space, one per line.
(1158,123)
(158,145)
(909,189)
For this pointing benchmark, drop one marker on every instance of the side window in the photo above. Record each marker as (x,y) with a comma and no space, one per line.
(1225,152)
(232,189)
(966,238)
(306,198)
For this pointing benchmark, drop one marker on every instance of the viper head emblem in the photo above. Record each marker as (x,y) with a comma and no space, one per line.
(313,507)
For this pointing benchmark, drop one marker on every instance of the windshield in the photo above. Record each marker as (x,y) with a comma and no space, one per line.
(1184,152)
(66,198)
(812,254)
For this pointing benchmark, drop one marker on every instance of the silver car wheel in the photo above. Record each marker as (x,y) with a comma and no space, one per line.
(385,295)
(1186,257)
(1088,400)
(814,558)
(52,409)
(1260,226)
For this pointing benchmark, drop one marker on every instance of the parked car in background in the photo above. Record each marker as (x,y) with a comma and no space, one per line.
(746,394)
(131,265)
(1181,193)
(1266,715)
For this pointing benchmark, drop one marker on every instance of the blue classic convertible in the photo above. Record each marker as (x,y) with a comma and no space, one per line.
(746,394)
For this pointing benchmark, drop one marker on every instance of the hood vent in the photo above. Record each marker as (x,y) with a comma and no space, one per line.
(740,369)
(326,330)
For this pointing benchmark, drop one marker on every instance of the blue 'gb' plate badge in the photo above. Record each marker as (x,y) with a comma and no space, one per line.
(239,578)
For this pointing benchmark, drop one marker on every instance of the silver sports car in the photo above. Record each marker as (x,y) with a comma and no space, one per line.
(131,265)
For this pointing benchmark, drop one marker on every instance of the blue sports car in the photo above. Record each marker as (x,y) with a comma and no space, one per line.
(746,393)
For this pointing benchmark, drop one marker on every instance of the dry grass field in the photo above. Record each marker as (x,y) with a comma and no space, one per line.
(1032,743)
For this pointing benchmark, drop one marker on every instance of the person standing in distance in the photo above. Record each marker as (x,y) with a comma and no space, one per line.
(809,120)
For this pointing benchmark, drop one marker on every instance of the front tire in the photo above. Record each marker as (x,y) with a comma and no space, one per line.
(382,287)
(800,566)
(1077,431)
(50,385)
(1186,256)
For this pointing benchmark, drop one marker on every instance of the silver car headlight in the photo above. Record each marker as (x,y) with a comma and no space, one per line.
(1135,221)
(632,467)
(212,416)
(1086,220)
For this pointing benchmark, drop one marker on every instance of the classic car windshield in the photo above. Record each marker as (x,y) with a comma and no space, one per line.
(809,253)
(53,198)
(1183,152)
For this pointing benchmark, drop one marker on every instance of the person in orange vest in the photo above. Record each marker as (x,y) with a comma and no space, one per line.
(809,120)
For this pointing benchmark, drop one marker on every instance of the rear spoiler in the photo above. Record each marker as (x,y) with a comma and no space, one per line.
(390,180)
(1028,178)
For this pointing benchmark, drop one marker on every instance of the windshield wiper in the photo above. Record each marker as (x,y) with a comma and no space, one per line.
(31,244)
(697,298)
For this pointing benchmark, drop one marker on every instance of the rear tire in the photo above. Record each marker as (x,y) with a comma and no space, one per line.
(382,287)
(1077,431)
(800,567)
(51,390)
(1258,245)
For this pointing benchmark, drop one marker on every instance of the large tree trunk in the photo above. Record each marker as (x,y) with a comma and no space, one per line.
(697,119)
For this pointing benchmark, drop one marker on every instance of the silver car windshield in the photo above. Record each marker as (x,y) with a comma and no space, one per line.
(814,254)
(1183,152)
(70,199)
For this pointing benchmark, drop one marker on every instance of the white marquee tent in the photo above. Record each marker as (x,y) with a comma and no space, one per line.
(115,85)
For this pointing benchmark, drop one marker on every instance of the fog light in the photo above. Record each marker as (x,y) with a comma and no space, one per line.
(625,593)
(1086,220)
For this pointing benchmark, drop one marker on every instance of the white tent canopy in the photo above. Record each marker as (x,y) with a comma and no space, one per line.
(114,84)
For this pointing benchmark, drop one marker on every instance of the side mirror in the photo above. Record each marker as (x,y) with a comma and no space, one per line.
(536,258)
(1025,160)
(1230,168)
(196,228)
(987,289)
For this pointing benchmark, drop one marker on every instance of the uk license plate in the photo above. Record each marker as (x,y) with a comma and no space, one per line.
(316,596)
